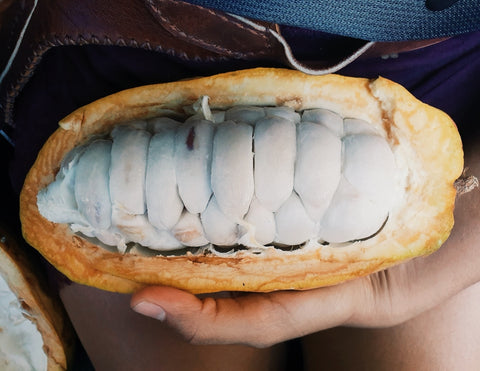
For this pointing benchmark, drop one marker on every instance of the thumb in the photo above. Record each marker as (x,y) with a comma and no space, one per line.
(256,319)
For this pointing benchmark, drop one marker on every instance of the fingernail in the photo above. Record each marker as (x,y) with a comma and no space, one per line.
(149,309)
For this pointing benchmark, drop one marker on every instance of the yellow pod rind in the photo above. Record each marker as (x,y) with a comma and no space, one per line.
(425,140)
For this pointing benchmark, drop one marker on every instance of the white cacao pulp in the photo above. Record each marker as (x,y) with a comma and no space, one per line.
(21,344)
(250,176)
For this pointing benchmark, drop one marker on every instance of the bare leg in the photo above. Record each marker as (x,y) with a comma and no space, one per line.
(444,338)
(116,338)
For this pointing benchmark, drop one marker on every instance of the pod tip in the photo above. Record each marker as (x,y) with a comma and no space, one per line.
(72,122)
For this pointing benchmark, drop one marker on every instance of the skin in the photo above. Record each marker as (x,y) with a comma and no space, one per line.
(434,292)
(116,338)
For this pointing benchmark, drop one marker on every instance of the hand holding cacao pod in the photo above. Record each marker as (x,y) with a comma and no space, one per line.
(380,300)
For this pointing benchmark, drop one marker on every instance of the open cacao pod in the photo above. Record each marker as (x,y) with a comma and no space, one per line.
(254,180)
(35,331)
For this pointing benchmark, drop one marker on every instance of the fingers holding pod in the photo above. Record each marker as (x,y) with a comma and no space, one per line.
(254,319)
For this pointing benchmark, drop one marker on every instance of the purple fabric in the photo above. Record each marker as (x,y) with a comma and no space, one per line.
(446,75)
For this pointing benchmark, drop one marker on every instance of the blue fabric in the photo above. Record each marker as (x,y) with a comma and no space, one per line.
(376,20)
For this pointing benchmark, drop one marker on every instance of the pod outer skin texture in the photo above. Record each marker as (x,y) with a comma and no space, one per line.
(425,141)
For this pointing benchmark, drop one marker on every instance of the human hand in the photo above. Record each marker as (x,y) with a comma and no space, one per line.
(382,299)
